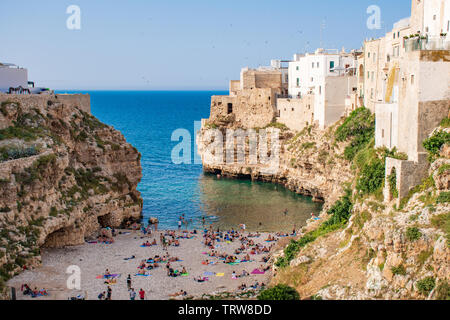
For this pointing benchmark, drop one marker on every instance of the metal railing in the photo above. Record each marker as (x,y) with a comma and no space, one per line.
(419,44)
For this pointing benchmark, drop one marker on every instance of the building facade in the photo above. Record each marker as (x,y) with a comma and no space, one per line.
(406,83)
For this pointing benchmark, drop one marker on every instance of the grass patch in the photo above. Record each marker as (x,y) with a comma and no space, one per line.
(443,222)
(413,234)
(426,285)
(400,270)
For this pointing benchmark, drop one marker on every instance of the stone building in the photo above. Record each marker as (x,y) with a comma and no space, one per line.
(252,99)
(407,84)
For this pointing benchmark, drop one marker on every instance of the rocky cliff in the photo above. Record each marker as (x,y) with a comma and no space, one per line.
(63,175)
(362,247)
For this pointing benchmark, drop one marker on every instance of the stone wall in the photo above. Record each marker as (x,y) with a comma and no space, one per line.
(250,108)
(43,102)
(251,79)
(409,174)
(80,101)
(296,114)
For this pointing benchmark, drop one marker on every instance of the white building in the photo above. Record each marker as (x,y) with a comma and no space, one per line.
(329,75)
(12,76)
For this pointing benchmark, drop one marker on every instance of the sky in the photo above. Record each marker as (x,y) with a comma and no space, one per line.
(176,44)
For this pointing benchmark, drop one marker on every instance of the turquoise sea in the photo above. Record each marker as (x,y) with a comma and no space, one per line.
(147,120)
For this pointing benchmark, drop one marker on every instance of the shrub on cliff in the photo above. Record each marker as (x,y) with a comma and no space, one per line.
(340,214)
(413,234)
(434,144)
(359,127)
(371,177)
(279,292)
(426,285)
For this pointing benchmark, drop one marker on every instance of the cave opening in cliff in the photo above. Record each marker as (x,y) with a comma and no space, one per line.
(105,221)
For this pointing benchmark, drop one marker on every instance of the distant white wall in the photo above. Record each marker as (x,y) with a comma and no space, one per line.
(13,77)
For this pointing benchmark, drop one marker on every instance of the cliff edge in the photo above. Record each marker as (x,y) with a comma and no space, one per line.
(63,176)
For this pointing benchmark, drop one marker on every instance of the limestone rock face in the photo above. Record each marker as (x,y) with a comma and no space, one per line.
(82,176)
(307,163)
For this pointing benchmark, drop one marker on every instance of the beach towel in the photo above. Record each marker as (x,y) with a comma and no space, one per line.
(257,271)
(184,274)
(207,273)
(111,276)
(142,275)
(220,274)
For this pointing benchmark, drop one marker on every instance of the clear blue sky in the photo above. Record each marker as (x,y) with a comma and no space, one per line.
(175,44)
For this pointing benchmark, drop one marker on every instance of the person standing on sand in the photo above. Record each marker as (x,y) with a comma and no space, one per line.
(142,294)
(132,294)
(109,294)
(129,282)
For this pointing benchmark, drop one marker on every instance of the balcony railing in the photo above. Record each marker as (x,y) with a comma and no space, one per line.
(419,44)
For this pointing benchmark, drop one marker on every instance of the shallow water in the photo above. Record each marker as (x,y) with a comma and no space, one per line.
(147,120)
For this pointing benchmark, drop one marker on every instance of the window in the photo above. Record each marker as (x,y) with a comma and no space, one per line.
(371,93)
(320,89)
(298,82)
(382,133)
(434,17)
(368,75)
(292,109)
(230,108)
(312,79)
(331,65)
(297,68)
(317,64)
(394,35)
(313,65)
(412,79)
(368,55)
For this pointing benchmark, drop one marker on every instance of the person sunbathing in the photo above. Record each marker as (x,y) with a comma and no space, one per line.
(173,259)
(183,271)
(201,279)
(142,272)
(177,294)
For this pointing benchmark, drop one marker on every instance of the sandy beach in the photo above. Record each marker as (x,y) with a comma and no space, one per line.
(93,259)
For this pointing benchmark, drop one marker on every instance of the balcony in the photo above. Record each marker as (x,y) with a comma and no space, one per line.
(421,44)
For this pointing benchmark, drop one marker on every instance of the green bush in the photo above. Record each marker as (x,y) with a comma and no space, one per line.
(434,144)
(426,285)
(400,270)
(371,177)
(413,234)
(445,123)
(360,128)
(444,197)
(279,292)
(340,214)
